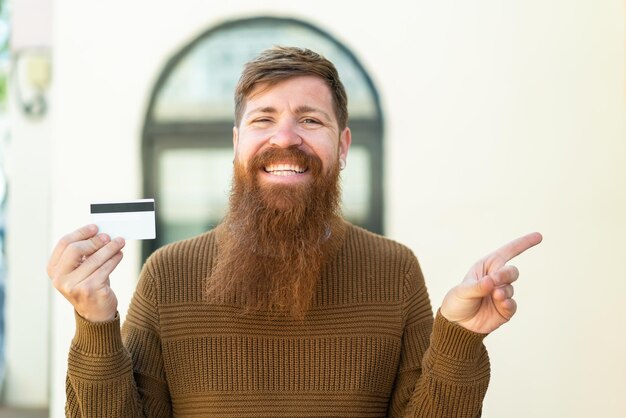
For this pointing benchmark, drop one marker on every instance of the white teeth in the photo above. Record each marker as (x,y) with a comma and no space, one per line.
(284,169)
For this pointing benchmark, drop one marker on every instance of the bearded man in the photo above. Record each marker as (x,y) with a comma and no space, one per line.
(285,309)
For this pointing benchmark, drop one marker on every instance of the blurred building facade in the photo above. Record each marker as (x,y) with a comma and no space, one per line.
(473,123)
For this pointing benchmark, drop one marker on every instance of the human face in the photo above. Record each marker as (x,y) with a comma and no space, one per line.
(294,113)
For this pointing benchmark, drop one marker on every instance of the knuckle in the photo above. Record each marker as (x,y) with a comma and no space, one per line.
(74,248)
(85,231)
(93,244)
(92,262)
(99,241)
(56,283)
(81,292)
(71,290)
(66,240)
(64,288)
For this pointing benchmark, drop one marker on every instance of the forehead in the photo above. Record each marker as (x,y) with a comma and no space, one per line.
(301,90)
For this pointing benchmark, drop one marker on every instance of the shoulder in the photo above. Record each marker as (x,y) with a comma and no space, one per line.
(377,256)
(385,255)
(372,267)
(183,255)
(191,247)
(175,273)
(367,243)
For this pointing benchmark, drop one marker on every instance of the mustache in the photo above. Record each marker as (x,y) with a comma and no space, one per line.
(293,155)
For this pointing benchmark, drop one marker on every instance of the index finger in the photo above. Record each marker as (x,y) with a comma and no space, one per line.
(80,234)
(514,248)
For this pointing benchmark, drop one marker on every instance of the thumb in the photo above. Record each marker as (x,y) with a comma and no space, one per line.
(476,289)
(463,301)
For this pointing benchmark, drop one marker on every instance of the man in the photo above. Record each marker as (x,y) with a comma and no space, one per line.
(285,309)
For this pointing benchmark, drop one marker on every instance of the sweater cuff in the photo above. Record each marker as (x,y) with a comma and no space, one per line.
(97,338)
(455,341)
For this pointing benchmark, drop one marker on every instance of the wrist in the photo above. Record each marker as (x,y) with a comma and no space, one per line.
(96,318)
(456,340)
(100,338)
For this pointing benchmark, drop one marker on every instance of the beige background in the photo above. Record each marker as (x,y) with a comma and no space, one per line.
(501,118)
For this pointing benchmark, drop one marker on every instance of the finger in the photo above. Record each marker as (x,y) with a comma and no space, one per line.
(80,234)
(103,272)
(475,289)
(505,275)
(68,285)
(503,292)
(78,251)
(514,248)
(100,257)
(506,308)
(93,297)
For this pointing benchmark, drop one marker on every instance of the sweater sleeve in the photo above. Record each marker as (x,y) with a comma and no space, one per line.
(119,373)
(444,368)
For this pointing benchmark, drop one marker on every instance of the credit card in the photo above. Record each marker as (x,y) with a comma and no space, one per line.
(133,219)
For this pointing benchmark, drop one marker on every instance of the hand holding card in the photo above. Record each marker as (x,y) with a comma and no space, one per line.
(133,219)
(80,266)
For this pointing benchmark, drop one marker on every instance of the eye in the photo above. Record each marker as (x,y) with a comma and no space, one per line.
(310,121)
(261,120)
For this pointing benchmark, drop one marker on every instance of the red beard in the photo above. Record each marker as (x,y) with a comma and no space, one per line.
(272,249)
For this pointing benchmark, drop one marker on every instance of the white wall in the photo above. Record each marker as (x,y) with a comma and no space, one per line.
(27,166)
(27,292)
(501,118)
(517,124)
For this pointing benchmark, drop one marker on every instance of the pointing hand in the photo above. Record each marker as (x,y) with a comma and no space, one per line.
(484,300)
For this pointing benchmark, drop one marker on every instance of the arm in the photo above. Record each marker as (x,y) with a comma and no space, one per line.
(452,375)
(141,336)
(108,377)
(444,369)
(99,379)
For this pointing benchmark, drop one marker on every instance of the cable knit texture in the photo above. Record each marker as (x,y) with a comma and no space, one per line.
(366,348)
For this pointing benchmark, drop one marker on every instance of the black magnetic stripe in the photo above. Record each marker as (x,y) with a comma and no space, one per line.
(122,207)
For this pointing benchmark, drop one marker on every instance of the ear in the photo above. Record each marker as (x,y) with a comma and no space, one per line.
(345,139)
(235,138)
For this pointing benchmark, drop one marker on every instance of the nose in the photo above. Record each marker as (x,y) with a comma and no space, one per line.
(286,136)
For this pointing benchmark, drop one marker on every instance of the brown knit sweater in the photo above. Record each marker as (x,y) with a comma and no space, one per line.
(367,347)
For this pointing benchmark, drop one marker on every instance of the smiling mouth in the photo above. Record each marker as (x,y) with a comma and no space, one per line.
(285,169)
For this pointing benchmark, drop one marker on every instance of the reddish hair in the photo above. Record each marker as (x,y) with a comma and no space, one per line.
(281,63)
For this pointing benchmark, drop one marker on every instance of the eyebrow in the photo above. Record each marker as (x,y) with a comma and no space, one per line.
(308,109)
(265,109)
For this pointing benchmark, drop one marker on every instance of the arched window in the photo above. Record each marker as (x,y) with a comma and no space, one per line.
(187,138)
